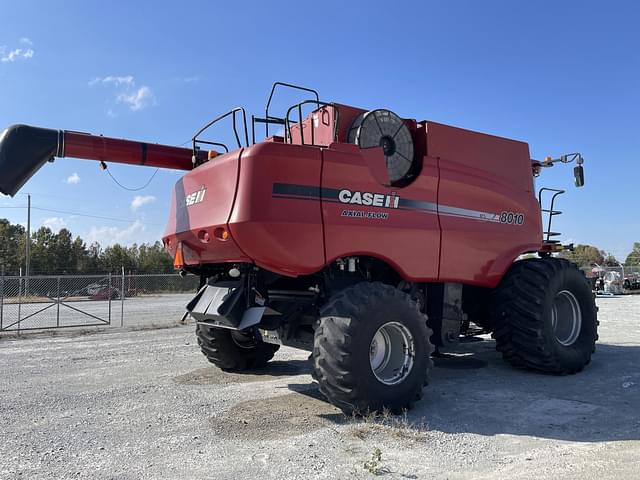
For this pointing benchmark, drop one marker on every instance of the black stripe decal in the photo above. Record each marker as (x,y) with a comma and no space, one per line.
(332,195)
(409,204)
(292,190)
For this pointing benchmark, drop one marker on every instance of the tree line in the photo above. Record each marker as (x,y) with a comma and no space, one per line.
(61,253)
(589,256)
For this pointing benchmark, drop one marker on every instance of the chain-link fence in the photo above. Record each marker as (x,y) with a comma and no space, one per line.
(618,279)
(43,302)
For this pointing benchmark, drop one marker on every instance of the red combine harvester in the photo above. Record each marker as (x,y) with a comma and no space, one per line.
(360,236)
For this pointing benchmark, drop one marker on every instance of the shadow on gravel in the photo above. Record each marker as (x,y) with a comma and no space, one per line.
(457,361)
(600,404)
(214,376)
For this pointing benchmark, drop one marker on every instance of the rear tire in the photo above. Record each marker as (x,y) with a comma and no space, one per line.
(371,349)
(233,351)
(545,316)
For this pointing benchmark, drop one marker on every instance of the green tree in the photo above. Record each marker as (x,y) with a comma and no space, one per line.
(60,253)
(610,261)
(585,255)
(634,257)
(79,256)
(42,260)
(12,242)
(116,256)
(94,259)
(154,259)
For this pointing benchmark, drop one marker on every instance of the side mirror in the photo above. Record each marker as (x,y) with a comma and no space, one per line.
(578,175)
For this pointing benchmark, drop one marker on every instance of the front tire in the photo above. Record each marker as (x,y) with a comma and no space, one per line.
(545,316)
(233,351)
(371,349)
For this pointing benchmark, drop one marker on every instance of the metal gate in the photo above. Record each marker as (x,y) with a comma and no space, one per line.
(59,301)
(43,302)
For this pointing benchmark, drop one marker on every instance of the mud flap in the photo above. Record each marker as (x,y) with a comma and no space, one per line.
(215,306)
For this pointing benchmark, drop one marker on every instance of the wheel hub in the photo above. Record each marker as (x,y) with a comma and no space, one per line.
(566,318)
(391,353)
(243,340)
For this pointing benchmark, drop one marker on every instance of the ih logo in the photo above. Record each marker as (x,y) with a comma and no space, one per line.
(369,199)
(195,197)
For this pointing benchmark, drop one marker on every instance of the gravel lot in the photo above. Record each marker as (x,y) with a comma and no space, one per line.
(145,404)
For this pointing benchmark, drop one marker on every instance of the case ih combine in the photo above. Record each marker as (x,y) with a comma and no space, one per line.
(362,237)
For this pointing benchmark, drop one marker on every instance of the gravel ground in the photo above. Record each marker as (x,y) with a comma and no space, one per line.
(145,404)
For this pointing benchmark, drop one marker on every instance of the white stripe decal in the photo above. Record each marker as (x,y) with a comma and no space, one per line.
(466,213)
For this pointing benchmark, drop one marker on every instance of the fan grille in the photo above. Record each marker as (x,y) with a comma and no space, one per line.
(383,128)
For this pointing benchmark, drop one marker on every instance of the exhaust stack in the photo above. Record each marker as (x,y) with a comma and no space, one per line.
(25,149)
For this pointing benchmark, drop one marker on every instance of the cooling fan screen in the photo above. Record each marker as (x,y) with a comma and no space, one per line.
(383,128)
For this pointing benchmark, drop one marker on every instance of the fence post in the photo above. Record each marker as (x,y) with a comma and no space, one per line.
(109,289)
(122,300)
(58,302)
(19,298)
(1,297)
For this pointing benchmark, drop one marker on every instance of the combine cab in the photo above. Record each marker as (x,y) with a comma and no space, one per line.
(366,238)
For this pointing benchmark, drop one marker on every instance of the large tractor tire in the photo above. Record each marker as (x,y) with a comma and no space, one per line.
(233,351)
(545,316)
(371,349)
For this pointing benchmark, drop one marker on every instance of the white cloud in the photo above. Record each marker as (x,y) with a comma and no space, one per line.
(15,54)
(73,179)
(26,41)
(110,235)
(54,223)
(117,81)
(193,79)
(138,201)
(137,99)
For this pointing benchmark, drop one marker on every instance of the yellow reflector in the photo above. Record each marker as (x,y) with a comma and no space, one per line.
(212,154)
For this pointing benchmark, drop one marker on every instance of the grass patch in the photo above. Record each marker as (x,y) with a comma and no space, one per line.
(396,426)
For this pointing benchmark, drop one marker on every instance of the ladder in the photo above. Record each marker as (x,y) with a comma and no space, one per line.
(548,233)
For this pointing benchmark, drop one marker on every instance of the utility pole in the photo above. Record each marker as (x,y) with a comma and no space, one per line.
(28,243)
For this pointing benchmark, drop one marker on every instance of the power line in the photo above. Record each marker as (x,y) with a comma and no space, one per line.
(80,214)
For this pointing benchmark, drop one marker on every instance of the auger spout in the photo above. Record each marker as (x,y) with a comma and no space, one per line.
(25,149)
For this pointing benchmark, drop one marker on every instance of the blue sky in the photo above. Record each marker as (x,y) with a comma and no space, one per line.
(563,76)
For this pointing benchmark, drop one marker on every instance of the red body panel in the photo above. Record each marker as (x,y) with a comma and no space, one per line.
(195,225)
(293,209)
(489,174)
(407,239)
(281,234)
